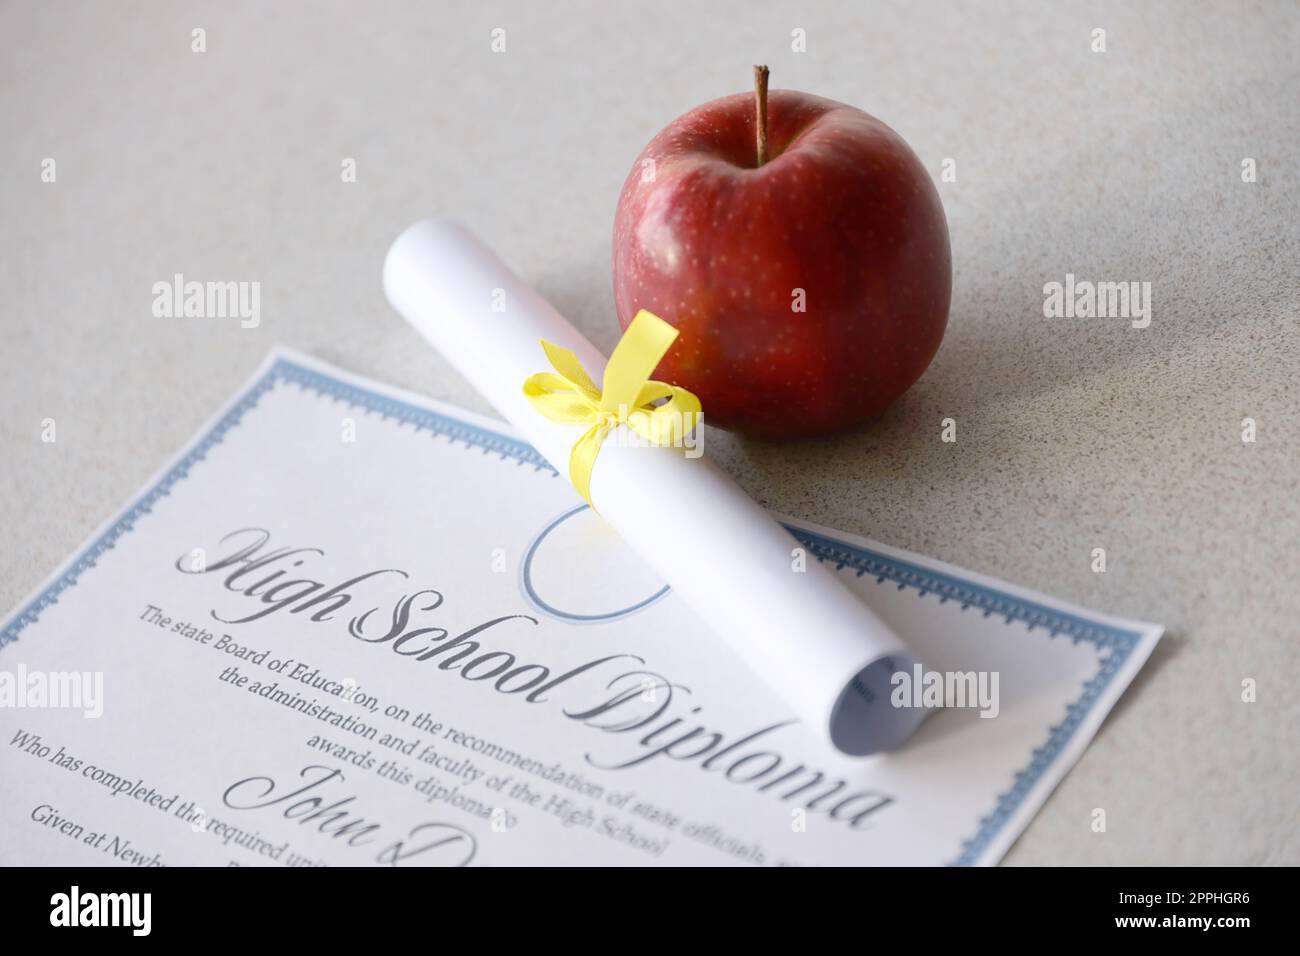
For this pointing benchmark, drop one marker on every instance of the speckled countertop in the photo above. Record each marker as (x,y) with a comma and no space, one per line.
(1072,434)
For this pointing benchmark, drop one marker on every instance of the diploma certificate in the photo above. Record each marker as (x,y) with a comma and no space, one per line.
(348,625)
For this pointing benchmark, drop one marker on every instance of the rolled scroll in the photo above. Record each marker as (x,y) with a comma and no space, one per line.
(792,621)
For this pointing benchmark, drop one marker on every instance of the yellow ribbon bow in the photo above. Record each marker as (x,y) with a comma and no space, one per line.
(658,412)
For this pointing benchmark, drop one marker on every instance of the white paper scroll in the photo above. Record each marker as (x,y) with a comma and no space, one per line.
(791,621)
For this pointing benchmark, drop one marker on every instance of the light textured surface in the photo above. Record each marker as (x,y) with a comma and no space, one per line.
(1123,165)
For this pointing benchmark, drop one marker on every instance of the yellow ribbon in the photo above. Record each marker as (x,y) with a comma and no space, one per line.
(658,412)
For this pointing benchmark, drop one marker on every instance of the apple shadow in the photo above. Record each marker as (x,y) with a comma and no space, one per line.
(1015,382)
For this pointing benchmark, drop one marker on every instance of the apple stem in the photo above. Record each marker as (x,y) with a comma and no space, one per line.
(760,114)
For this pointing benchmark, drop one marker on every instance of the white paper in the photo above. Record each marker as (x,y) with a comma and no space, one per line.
(813,641)
(666,750)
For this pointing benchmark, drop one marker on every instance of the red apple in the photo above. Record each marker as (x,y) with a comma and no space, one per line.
(839,218)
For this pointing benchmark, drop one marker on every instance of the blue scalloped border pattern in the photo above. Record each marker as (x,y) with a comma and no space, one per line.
(1114,644)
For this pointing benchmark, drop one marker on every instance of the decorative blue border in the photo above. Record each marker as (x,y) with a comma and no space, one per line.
(1114,644)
